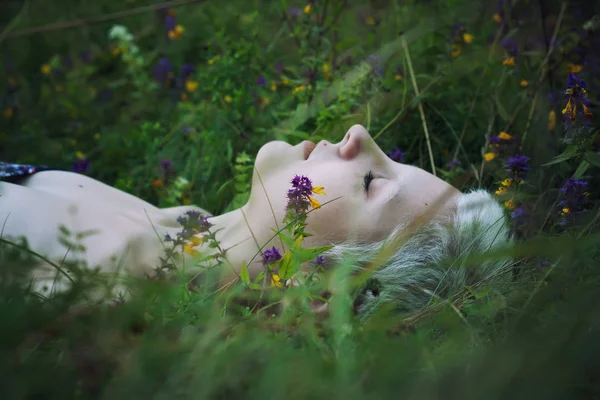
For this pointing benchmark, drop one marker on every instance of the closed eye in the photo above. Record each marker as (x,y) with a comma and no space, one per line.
(367,179)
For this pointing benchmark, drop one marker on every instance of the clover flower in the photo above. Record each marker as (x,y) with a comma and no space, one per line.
(576,94)
(518,166)
(397,155)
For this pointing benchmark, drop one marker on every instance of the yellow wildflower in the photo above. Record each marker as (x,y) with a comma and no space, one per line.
(551,120)
(273,87)
(298,89)
(509,204)
(398,77)
(467,37)
(228,99)
(566,211)
(574,68)
(176,33)
(314,203)
(276,281)
(8,112)
(524,83)
(568,108)
(191,86)
(318,190)
(501,190)
(157,183)
(497,18)
(489,156)
(195,241)
(264,101)
(213,60)
(45,69)
(509,62)
(505,136)
(326,71)
(285,81)
(456,52)
(507,182)
(307,9)
(370,20)
(79,155)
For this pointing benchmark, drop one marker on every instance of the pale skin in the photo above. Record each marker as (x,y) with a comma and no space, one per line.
(128,231)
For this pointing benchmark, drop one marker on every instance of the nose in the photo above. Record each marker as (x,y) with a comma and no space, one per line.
(357,139)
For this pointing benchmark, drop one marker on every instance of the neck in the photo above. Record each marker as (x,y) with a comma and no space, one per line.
(239,239)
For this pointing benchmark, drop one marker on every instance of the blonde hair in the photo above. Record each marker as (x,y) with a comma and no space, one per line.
(433,261)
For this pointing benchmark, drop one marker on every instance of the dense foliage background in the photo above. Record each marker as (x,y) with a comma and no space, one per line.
(170,102)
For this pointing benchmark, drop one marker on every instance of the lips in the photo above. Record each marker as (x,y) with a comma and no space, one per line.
(308,148)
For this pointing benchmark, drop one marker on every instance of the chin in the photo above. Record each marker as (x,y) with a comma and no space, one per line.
(277,153)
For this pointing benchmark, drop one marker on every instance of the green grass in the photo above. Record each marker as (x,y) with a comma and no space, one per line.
(536,338)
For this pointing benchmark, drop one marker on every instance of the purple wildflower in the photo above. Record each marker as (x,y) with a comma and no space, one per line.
(85,56)
(319,261)
(294,12)
(170,23)
(453,164)
(517,166)
(261,81)
(518,215)
(458,29)
(298,194)
(397,155)
(279,68)
(81,166)
(162,70)
(187,70)
(576,93)
(187,130)
(271,256)
(495,140)
(193,222)
(574,195)
(166,165)
(510,46)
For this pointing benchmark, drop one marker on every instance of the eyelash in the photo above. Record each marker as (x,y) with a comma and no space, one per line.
(368,178)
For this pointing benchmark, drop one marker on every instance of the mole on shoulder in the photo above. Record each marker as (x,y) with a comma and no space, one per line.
(80,186)
(426,204)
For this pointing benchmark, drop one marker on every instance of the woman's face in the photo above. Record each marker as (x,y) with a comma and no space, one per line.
(370,194)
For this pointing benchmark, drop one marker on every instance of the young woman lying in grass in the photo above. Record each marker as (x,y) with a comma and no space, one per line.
(368,203)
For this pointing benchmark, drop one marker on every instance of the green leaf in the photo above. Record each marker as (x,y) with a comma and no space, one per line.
(593,158)
(260,277)
(569,153)
(583,166)
(502,111)
(244,275)
(303,255)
